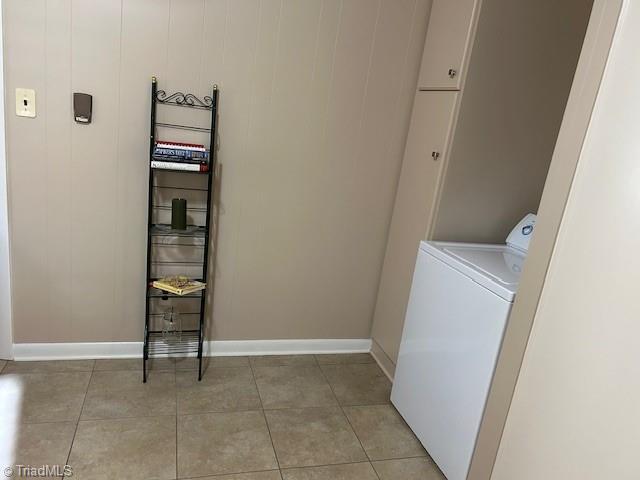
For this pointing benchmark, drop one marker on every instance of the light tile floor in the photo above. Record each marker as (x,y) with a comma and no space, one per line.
(296,417)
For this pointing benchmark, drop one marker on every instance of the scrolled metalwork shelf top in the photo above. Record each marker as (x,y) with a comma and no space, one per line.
(184,100)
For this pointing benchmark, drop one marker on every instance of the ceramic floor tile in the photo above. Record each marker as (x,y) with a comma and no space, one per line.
(344,358)
(191,363)
(270,475)
(2,365)
(408,469)
(293,386)
(119,394)
(313,436)
(43,397)
(128,448)
(134,364)
(355,384)
(349,471)
(222,443)
(49,366)
(187,363)
(383,432)
(221,390)
(280,360)
(37,445)
(228,361)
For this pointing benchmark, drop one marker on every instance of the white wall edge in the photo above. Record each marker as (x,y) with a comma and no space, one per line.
(6,335)
(79,351)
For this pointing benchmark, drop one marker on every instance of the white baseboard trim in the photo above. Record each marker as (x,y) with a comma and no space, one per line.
(80,351)
(382,359)
(76,351)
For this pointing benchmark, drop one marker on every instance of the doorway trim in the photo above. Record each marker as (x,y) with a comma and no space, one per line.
(584,90)
(6,334)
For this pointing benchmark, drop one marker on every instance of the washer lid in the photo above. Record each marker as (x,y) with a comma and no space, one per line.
(495,267)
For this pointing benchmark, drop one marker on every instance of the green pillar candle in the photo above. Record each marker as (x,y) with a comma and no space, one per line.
(179,214)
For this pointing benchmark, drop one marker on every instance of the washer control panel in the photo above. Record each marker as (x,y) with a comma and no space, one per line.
(521,234)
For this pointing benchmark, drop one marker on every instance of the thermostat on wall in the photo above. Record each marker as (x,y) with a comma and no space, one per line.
(82,105)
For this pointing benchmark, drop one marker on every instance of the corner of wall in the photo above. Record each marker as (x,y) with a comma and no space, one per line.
(386,364)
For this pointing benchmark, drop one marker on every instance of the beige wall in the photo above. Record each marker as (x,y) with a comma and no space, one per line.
(575,411)
(518,81)
(315,102)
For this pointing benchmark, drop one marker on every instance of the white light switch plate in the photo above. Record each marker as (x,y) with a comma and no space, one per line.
(25,102)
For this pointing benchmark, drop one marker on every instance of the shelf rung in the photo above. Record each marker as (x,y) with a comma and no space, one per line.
(182,314)
(183,127)
(181,188)
(187,343)
(175,262)
(157,293)
(164,230)
(192,209)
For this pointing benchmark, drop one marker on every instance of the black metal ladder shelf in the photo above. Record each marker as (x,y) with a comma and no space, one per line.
(159,234)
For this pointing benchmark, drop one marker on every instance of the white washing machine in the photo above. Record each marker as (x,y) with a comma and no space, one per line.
(460,301)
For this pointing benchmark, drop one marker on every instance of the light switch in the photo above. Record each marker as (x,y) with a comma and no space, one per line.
(25,102)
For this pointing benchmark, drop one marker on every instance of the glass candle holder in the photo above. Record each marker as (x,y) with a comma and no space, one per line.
(172,326)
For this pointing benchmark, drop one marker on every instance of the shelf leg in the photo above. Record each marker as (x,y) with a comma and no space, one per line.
(145,355)
(200,359)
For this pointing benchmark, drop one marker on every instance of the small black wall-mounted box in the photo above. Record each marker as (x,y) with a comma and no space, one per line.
(82,105)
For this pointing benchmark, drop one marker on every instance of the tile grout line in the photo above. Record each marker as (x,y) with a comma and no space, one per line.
(370,462)
(391,459)
(321,465)
(264,415)
(305,467)
(346,417)
(375,472)
(322,406)
(109,419)
(223,475)
(84,399)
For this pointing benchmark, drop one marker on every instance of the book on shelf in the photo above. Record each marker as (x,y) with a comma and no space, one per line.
(181,154)
(169,158)
(181,151)
(177,165)
(178,285)
(181,146)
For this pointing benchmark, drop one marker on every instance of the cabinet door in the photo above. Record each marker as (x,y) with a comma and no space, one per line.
(448,38)
(413,209)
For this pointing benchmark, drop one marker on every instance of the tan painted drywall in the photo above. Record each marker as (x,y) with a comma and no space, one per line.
(575,412)
(518,81)
(314,109)
(576,119)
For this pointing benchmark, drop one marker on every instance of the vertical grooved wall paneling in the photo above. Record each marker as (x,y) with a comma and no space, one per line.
(57,172)
(95,69)
(24,41)
(314,109)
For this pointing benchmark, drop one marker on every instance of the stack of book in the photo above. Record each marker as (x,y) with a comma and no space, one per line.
(180,156)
